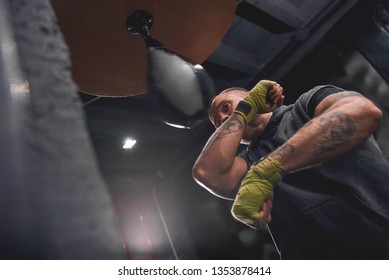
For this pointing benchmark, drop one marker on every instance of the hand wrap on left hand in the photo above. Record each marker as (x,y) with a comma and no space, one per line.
(256,186)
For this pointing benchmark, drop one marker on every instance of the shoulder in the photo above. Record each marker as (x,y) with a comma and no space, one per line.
(312,98)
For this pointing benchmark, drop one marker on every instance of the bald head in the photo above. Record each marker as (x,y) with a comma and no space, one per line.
(235,90)
(238,91)
(223,104)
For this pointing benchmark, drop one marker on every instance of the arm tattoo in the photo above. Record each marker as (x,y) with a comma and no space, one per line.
(232,125)
(284,151)
(335,129)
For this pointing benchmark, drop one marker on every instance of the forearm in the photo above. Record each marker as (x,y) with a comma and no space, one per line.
(221,148)
(338,130)
(213,166)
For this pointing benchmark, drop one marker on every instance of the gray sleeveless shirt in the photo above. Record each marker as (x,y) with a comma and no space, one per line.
(339,210)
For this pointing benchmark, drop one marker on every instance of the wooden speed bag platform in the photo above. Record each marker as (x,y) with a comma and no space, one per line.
(108,61)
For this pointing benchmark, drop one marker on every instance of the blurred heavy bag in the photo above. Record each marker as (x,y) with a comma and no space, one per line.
(180,90)
(54,203)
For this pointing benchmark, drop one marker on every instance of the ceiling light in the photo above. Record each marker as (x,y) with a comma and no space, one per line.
(129,143)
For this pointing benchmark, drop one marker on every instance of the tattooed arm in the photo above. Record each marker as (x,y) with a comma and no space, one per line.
(218,169)
(342,121)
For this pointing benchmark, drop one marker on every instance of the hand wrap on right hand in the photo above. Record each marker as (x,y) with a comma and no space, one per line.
(256,186)
(255,101)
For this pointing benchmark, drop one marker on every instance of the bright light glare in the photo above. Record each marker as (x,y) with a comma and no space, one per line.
(129,143)
(198,66)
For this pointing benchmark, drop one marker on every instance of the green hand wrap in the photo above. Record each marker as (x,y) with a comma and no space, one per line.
(255,101)
(256,186)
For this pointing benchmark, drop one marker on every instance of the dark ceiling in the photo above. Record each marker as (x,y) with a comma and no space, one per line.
(300,44)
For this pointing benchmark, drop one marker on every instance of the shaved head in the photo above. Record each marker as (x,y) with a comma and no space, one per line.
(235,90)
(238,91)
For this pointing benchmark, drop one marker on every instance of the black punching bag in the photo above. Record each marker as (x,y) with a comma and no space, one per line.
(54,203)
(181,90)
